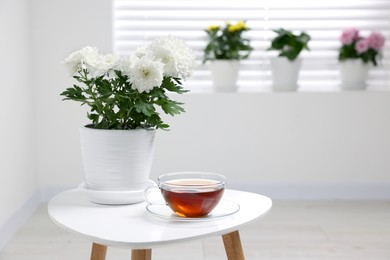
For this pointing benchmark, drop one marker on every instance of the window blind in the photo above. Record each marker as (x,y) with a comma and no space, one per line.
(138,22)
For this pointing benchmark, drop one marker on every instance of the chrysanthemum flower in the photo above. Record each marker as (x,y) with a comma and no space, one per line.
(349,35)
(361,45)
(103,64)
(213,27)
(376,41)
(79,59)
(146,74)
(177,57)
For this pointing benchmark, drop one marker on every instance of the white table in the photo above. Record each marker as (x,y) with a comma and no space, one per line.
(133,227)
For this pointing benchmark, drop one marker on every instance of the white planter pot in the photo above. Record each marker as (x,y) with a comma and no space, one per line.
(117,160)
(285,73)
(353,74)
(224,74)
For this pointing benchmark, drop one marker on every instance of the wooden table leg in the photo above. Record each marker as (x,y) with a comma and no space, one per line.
(98,252)
(141,254)
(233,246)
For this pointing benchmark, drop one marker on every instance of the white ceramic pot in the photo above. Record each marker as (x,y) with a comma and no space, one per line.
(224,74)
(117,160)
(353,74)
(285,73)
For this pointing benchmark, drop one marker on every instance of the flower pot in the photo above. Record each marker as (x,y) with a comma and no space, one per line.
(117,160)
(353,74)
(224,74)
(285,73)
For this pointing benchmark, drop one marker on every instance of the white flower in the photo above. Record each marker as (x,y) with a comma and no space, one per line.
(125,64)
(89,58)
(73,62)
(146,73)
(167,56)
(177,57)
(98,65)
(108,61)
(76,60)
(141,51)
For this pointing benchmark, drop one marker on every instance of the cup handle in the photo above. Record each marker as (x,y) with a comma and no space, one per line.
(153,190)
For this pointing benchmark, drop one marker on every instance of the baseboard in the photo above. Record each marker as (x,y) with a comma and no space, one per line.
(334,191)
(19,218)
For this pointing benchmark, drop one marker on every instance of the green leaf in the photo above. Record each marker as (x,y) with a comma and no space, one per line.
(172,107)
(143,107)
(93,117)
(291,54)
(169,85)
(75,93)
(288,44)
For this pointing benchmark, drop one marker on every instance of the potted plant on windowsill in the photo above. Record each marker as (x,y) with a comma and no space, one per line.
(225,48)
(286,67)
(125,96)
(356,55)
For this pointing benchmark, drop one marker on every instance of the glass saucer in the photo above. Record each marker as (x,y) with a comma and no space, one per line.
(223,209)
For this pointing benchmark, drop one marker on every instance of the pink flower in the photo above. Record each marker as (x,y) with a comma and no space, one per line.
(361,45)
(376,41)
(349,35)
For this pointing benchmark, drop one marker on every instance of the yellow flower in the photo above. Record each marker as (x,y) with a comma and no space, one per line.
(234,28)
(237,27)
(213,27)
(242,25)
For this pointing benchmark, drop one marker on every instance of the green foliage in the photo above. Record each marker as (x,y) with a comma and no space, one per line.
(288,44)
(227,43)
(114,104)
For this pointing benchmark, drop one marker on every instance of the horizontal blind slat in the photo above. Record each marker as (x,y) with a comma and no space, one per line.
(249,4)
(253,15)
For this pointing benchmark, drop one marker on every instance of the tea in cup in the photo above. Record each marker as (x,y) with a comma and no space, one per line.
(191,194)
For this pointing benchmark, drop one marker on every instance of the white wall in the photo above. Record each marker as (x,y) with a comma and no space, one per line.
(299,145)
(61,27)
(309,145)
(17,171)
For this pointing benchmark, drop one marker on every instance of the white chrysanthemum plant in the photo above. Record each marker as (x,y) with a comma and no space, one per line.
(126,92)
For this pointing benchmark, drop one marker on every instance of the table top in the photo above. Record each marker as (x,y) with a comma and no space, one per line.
(133,226)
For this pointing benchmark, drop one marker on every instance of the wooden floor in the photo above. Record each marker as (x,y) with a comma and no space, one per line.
(292,230)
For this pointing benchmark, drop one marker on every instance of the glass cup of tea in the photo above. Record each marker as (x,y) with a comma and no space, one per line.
(189,194)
